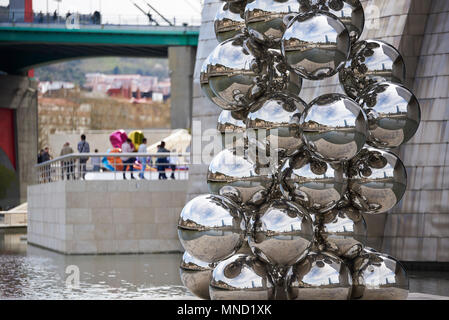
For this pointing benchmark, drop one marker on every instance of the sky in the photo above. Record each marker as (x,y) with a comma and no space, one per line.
(124,10)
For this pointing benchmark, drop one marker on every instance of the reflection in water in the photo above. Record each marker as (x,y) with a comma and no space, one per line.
(28,272)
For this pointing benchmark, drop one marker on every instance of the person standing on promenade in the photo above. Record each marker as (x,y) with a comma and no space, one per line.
(67,165)
(162,162)
(173,160)
(143,160)
(96,163)
(127,147)
(46,157)
(83,147)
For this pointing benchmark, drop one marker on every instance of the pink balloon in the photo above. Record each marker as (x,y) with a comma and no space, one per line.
(117,138)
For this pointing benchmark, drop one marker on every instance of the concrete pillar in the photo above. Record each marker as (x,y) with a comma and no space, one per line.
(19,93)
(204,112)
(181,61)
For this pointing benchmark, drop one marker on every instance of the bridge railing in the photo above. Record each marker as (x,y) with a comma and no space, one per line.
(39,18)
(114,166)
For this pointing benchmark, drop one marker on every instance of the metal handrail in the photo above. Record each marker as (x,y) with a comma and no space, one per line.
(120,155)
(71,167)
(86,19)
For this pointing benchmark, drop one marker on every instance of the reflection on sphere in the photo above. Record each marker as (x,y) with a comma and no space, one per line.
(334,127)
(241,277)
(393,114)
(211,227)
(370,62)
(377,180)
(316,45)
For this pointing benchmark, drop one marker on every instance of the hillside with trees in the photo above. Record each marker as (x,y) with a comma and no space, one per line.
(75,70)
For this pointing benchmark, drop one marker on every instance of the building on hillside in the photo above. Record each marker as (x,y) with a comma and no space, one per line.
(48,86)
(128,85)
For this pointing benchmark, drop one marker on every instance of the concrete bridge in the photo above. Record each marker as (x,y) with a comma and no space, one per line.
(25,46)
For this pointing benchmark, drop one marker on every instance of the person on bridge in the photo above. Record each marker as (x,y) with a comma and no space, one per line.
(143,160)
(67,165)
(128,147)
(96,19)
(162,162)
(83,147)
(41,17)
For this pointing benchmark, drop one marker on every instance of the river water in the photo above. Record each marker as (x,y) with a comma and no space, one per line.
(28,272)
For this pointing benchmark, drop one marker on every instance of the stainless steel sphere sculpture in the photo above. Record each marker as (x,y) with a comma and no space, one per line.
(293,227)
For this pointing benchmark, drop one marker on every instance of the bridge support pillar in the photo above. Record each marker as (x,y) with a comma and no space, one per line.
(18,139)
(181,61)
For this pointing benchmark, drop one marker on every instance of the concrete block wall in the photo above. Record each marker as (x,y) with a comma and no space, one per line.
(100,217)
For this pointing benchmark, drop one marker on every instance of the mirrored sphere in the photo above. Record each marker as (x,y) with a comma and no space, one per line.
(343,231)
(228,124)
(312,183)
(316,45)
(320,276)
(378,276)
(278,117)
(281,234)
(232,130)
(377,180)
(371,62)
(334,127)
(205,87)
(349,12)
(241,277)
(234,74)
(393,114)
(211,228)
(196,275)
(233,175)
(228,22)
(264,19)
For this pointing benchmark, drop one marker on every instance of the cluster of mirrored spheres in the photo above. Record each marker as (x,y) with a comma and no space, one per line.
(294,227)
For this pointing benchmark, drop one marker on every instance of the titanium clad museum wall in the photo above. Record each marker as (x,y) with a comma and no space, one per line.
(417,229)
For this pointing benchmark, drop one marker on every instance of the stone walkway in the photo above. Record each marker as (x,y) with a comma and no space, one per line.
(425,296)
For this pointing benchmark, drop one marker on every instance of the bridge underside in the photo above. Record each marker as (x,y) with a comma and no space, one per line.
(17,58)
(25,47)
